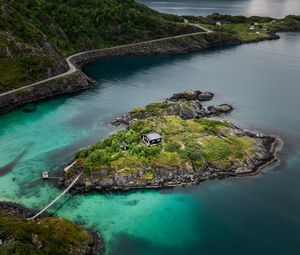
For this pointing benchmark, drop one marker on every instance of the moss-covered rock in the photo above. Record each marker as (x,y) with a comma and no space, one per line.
(187,105)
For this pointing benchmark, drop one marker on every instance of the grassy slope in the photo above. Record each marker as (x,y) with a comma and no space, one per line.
(36,35)
(186,144)
(239,25)
(57,236)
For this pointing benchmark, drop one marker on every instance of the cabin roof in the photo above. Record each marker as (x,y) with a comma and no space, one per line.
(152,136)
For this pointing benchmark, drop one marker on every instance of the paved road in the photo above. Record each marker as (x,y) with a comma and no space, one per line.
(73,68)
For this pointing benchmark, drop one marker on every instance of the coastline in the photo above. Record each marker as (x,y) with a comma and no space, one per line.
(275,145)
(75,80)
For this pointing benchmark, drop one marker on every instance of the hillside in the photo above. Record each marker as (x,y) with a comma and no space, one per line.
(36,35)
(49,235)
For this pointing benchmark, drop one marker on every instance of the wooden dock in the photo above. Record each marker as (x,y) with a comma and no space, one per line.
(57,198)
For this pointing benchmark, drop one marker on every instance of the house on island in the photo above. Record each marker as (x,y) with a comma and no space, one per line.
(152,138)
(218,23)
(252,27)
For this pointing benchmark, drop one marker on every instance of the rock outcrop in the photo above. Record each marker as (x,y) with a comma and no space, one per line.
(190,95)
(187,105)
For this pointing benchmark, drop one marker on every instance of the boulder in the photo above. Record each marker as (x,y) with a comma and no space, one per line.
(219,109)
(205,96)
(106,182)
(191,110)
(186,95)
(190,95)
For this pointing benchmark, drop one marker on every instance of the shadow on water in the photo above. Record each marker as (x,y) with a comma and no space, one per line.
(29,108)
(10,166)
(124,243)
(66,153)
(116,68)
(65,201)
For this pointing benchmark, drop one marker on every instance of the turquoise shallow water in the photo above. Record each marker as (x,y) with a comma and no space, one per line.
(218,217)
(253,215)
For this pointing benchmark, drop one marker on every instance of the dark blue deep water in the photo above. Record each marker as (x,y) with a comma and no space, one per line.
(252,215)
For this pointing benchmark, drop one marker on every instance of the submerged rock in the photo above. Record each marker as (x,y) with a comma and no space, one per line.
(29,108)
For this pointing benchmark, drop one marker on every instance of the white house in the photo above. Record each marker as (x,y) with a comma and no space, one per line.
(218,23)
(152,138)
(252,28)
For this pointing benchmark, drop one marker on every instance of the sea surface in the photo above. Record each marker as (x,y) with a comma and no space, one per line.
(270,8)
(252,215)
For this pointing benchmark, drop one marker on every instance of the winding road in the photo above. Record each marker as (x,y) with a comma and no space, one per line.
(73,68)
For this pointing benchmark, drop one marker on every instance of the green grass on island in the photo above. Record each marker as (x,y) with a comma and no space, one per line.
(248,29)
(153,109)
(20,236)
(187,144)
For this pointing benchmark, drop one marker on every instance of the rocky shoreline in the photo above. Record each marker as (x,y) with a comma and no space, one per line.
(164,180)
(73,83)
(93,247)
(264,152)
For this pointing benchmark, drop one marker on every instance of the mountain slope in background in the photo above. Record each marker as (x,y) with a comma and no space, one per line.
(36,35)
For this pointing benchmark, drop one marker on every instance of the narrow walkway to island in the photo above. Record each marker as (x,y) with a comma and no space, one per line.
(57,198)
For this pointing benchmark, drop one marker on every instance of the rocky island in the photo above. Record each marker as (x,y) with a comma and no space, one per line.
(190,145)
(47,235)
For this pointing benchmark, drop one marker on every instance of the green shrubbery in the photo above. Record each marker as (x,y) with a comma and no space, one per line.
(45,29)
(56,236)
(153,109)
(186,143)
